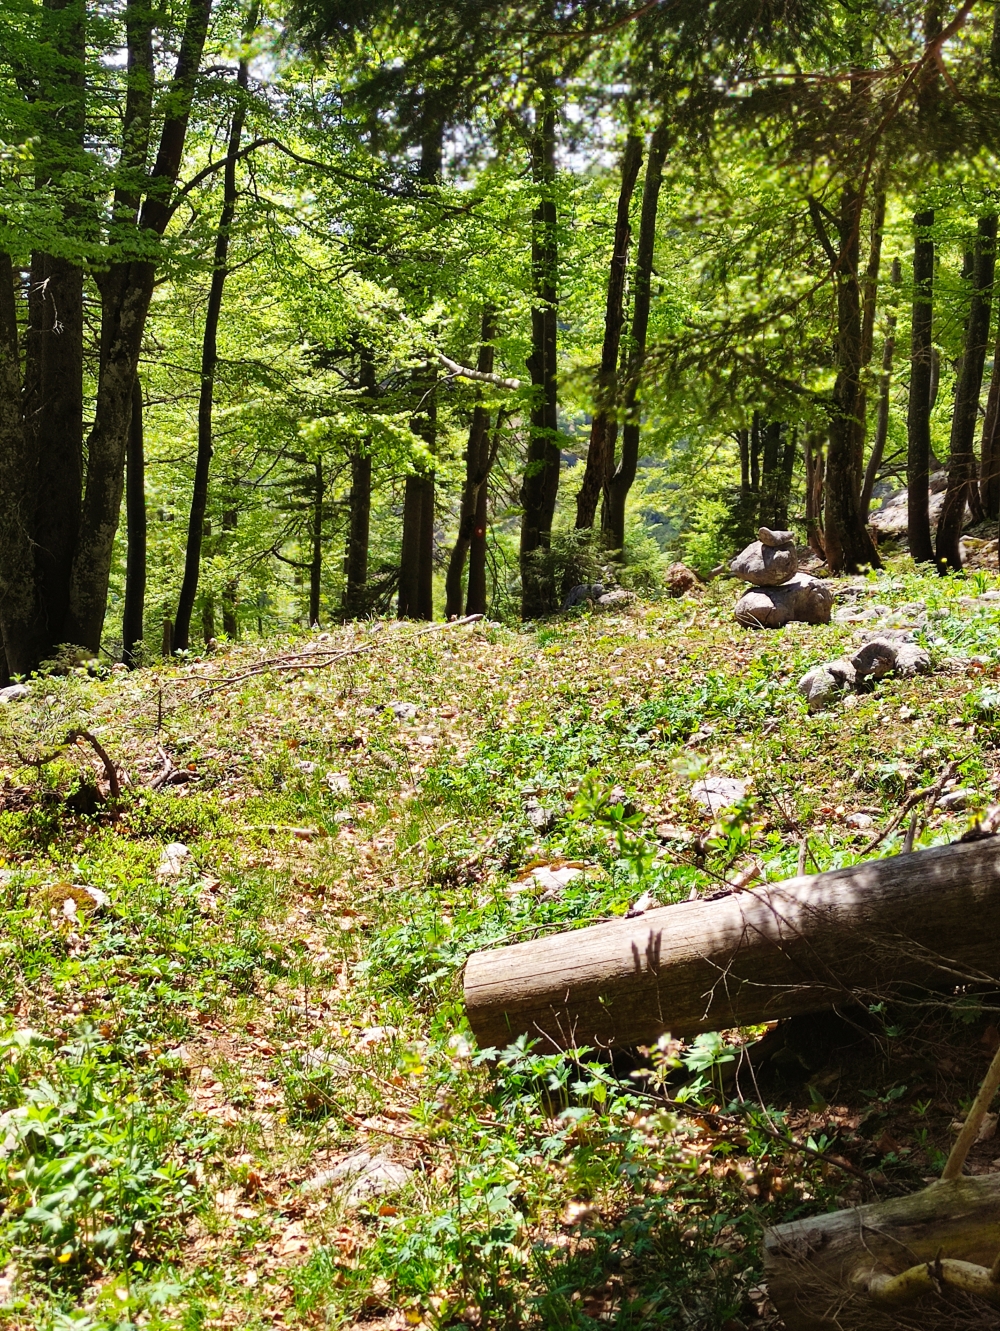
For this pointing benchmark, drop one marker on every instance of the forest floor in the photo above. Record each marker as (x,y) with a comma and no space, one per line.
(243,1093)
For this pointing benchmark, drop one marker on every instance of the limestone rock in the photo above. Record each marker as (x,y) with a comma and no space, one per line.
(716,793)
(616,599)
(801,597)
(173,860)
(875,658)
(765,565)
(14,691)
(778,540)
(825,683)
(581,593)
(911,659)
(680,579)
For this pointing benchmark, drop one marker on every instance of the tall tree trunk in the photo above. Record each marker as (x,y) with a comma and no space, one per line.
(848,545)
(882,420)
(231,591)
(126,292)
(869,306)
(210,360)
(359,507)
(989,471)
(743,442)
(601,452)
(135,514)
(475,592)
(316,541)
(541,473)
(53,344)
(962,461)
(18,464)
(416,563)
(918,416)
(613,515)
(815,476)
(477,467)
(770,476)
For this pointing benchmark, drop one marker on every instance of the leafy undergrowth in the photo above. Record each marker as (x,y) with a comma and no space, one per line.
(242,1092)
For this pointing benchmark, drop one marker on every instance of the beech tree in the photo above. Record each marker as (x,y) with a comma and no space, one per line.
(81,212)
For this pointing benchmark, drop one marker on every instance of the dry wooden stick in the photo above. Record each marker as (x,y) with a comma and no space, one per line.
(973,1121)
(930,793)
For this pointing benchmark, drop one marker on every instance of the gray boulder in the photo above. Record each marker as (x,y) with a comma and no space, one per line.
(778,540)
(911,659)
(582,592)
(875,658)
(802,597)
(765,565)
(825,683)
(14,691)
(617,598)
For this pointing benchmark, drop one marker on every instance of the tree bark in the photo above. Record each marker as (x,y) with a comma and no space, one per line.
(848,545)
(316,541)
(918,416)
(928,918)
(135,514)
(360,508)
(825,1273)
(478,462)
(231,591)
(869,306)
(210,361)
(989,470)
(961,465)
(815,475)
(416,563)
(882,420)
(540,484)
(600,452)
(126,291)
(613,513)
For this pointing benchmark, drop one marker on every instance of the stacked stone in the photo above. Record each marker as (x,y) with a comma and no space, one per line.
(781,593)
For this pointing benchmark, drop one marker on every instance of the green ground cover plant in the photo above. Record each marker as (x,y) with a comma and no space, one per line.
(193,1064)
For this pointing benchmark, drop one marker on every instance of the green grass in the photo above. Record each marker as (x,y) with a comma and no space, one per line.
(175,1067)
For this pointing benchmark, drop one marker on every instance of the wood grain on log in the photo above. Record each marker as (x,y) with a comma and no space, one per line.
(820,1272)
(931,918)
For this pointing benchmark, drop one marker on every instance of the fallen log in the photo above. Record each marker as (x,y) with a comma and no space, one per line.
(930,918)
(928,1261)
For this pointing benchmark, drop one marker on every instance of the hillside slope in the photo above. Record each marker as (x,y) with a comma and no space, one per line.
(241,1091)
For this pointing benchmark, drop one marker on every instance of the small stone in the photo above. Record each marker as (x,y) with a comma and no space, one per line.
(403,711)
(777,540)
(819,688)
(339,782)
(680,579)
(581,593)
(14,691)
(765,565)
(617,598)
(875,658)
(540,818)
(173,859)
(955,800)
(716,793)
(911,659)
(860,821)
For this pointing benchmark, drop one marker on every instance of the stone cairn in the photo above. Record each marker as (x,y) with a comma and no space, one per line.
(780,592)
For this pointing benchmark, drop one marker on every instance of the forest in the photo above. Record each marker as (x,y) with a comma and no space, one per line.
(499,665)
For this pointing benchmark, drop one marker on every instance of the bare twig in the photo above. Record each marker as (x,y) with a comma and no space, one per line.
(929,793)
(110,771)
